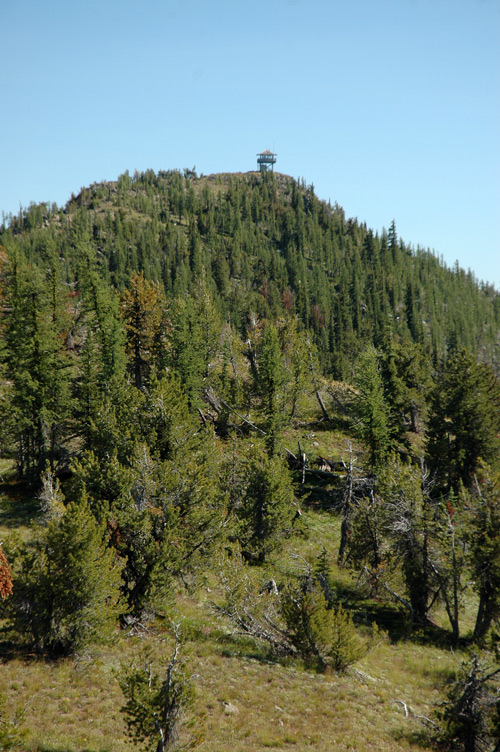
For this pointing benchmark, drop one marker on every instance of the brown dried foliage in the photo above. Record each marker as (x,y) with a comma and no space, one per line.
(5,577)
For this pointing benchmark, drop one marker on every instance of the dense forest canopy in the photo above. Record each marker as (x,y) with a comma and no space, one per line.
(265,245)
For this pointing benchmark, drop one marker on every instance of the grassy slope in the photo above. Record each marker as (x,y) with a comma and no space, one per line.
(74,705)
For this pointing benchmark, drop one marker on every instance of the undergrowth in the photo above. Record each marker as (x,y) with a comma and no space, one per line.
(244,697)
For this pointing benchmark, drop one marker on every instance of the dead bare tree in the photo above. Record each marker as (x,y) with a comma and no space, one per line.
(154,708)
(355,485)
(469,712)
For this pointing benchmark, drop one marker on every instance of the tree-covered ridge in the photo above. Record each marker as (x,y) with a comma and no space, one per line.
(265,246)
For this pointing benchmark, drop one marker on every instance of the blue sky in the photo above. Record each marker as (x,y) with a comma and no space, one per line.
(389,107)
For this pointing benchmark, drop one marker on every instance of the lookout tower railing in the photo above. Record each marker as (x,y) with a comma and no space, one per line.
(266,160)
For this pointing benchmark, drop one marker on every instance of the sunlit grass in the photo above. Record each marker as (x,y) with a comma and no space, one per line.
(245,701)
(74,705)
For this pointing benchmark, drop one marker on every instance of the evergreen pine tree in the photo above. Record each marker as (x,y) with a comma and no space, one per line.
(155,707)
(38,367)
(484,548)
(143,309)
(195,341)
(66,589)
(371,408)
(100,318)
(324,636)
(464,422)
(265,509)
(271,380)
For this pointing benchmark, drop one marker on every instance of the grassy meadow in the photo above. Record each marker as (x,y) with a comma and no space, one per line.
(244,699)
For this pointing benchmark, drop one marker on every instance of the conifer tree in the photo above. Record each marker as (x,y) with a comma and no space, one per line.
(143,308)
(271,380)
(100,317)
(323,635)
(298,356)
(265,509)
(464,422)
(155,707)
(12,732)
(38,367)
(469,710)
(371,408)
(167,523)
(5,577)
(164,420)
(409,524)
(67,585)
(195,341)
(157,491)
(114,420)
(448,528)
(484,548)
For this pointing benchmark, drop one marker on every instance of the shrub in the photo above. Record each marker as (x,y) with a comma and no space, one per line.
(66,589)
(299,620)
(322,635)
(471,713)
(11,733)
(154,707)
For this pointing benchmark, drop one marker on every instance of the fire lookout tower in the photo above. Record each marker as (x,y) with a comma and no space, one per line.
(265,160)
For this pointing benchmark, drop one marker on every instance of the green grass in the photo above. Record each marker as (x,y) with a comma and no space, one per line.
(74,705)
(17,510)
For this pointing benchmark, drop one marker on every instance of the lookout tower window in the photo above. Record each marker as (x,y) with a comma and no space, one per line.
(266,160)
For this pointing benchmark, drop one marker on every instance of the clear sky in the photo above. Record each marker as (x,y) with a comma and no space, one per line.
(391,108)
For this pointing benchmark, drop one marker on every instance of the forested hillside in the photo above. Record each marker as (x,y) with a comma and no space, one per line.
(265,247)
(237,422)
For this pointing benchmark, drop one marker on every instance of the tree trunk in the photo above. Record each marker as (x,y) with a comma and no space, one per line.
(484,617)
(346,511)
(322,405)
